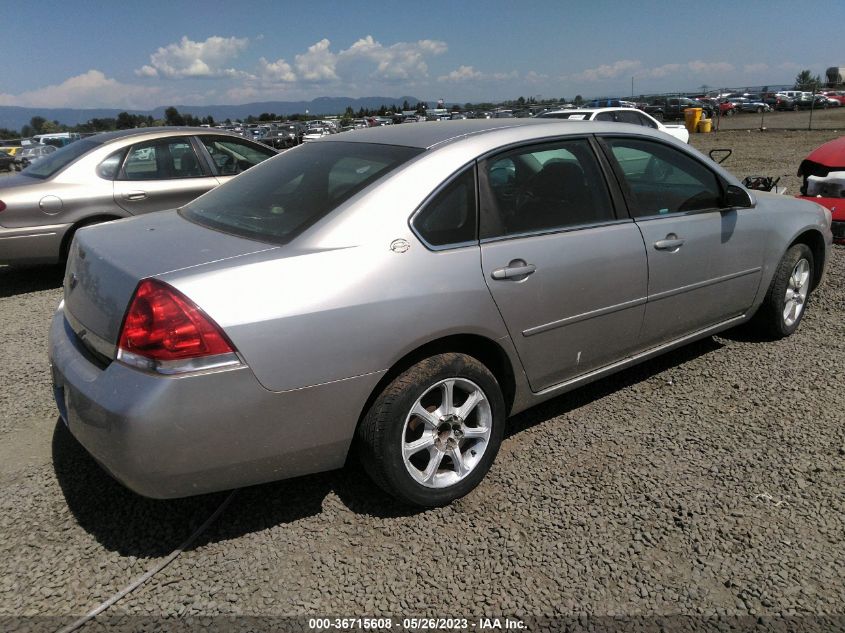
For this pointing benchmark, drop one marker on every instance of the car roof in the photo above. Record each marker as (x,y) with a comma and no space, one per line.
(430,134)
(155,132)
(581,110)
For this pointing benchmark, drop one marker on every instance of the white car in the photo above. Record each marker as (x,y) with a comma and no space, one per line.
(312,134)
(620,115)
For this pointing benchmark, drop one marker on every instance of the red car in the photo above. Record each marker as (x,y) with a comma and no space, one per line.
(838,95)
(823,172)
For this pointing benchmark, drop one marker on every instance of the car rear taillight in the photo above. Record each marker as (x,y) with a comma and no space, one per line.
(165,332)
(2,206)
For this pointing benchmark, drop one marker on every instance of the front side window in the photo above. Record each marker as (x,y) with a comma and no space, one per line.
(232,156)
(280,198)
(162,160)
(660,179)
(450,217)
(543,188)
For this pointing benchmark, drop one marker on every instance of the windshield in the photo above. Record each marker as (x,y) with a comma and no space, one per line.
(60,159)
(278,199)
(571,114)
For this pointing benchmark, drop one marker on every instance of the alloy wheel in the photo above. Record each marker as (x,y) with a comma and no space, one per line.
(446,433)
(796,292)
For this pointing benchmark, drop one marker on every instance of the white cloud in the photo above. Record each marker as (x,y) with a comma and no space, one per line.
(635,68)
(702,67)
(188,58)
(469,73)
(90,89)
(462,73)
(400,61)
(609,71)
(278,71)
(755,68)
(663,71)
(318,63)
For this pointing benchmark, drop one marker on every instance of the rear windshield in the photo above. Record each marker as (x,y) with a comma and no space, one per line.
(281,197)
(60,159)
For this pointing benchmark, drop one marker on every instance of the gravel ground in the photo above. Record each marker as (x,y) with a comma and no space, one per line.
(708,482)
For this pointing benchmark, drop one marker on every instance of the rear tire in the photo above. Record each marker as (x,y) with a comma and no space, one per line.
(788,295)
(433,433)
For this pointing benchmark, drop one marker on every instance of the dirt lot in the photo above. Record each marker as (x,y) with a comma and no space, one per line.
(709,483)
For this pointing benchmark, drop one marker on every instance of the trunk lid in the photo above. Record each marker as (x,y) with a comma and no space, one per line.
(108,260)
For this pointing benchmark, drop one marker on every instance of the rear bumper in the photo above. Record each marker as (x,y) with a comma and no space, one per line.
(166,437)
(32,244)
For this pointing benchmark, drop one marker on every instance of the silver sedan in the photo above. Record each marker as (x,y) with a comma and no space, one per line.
(110,176)
(399,292)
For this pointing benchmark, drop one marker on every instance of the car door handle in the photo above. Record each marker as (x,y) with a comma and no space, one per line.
(135,195)
(517,269)
(671,243)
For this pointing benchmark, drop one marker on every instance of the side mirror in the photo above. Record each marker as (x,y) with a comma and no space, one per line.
(738,197)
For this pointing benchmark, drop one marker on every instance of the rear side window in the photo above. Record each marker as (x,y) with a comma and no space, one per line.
(110,166)
(449,219)
(280,198)
(543,188)
(162,160)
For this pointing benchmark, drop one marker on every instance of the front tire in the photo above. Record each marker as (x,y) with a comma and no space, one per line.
(788,295)
(433,433)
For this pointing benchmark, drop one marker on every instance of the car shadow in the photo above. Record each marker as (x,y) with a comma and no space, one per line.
(17,281)
(746,333)
(132,525)
(594,391)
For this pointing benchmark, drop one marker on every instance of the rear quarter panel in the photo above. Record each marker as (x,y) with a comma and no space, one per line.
(338,302)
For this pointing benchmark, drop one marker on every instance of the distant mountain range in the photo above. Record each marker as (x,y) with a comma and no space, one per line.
(14,117)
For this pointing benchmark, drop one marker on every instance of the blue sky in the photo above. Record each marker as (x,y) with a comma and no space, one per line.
(144,54)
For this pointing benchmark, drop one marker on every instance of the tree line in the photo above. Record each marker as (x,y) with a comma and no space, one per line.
(805,80)
(172,117)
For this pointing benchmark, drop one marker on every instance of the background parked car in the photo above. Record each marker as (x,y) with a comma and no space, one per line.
(780,102)
(823,173)
(673,107)
(32,154)
(807,100)
(7,161)
(284,136)
(619,115)
(836,95)
(751,103)
(110,176)
(313,133)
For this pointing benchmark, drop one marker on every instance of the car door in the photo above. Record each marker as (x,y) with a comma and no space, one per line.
(704,259)
(161,174)
(568,276)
